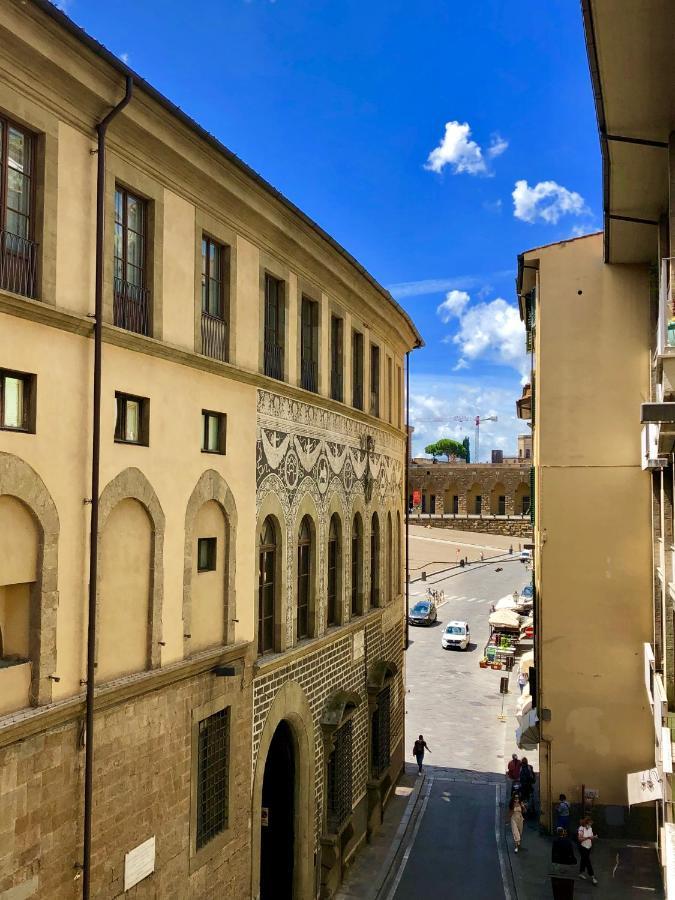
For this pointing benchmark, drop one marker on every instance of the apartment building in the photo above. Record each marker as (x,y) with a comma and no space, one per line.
(247,700)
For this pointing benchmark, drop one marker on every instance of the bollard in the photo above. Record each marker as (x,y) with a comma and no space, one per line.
(424,576)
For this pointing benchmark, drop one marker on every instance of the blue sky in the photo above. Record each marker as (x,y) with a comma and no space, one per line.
(343,106)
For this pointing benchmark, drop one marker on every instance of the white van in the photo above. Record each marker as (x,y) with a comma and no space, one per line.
(526,556)
(456,635)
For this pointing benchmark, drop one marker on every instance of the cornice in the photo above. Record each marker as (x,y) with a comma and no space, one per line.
(34,720)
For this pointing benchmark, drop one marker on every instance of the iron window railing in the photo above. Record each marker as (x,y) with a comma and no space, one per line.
(18,264)
(336,385)
(274,361)
(131,307)
(310,380)
(381,733)
(214,336)
(339,780)
(212,776)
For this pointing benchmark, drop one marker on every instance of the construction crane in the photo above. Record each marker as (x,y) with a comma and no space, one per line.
(477,420)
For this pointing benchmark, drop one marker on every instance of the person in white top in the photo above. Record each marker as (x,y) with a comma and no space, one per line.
(586,838)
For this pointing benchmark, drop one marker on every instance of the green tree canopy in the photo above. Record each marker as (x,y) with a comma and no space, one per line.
(447,447)
(467,448)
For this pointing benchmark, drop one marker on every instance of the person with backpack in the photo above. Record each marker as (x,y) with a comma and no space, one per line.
(563,814)
(419,747)
(527,779)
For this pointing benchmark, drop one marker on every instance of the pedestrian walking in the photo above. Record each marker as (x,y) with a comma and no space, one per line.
(586,838)
(511,550)
(517,810)
(527,779)
(563,863)
(563,814)
(522,681)
(419,747)
(513,769)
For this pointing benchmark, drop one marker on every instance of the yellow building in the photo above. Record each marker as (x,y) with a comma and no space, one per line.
(246,568)
(588,326)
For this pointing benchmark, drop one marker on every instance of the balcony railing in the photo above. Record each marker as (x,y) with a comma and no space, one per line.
(357,395)
(131,307)
(309,375)
(274,360)
(336,386)
(214,337)
(18,264)
(374,403)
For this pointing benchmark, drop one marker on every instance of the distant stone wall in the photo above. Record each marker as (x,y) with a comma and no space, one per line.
(483,489)
(520,528)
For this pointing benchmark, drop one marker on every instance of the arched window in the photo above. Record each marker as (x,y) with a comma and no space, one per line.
(267,586)
(398,552)
(357,565)
(391,578)
(375,562)
(334,562)
(304,578)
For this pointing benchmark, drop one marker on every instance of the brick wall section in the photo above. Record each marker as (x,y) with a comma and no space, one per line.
(142,784)
(322,673)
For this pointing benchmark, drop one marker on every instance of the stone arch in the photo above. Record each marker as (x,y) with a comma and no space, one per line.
(521,499)
(450,505)
(270,506)
(357,607)
(336,508)
(131,484)
(19,480)
(291,705)
(497,506)
(474,491)
(211,486)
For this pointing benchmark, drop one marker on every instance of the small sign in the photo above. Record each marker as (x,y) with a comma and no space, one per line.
(139,863)
(358,645)
(417,498)
(591,794)
(504,685)
(265,816)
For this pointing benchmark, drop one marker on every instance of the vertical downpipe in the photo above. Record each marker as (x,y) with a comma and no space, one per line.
(101,129)
(407,495)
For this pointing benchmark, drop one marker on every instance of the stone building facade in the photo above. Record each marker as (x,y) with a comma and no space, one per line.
(469,490)
(248,703)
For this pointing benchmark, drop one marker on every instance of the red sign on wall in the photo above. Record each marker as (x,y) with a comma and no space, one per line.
(417,498)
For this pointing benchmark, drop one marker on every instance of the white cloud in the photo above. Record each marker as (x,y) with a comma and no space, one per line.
(498,145)
(443,397)
(124,57)
(493,331)
(454,305)
(461,364)
(493,206)
(404,289)
(457,150)
(547,201)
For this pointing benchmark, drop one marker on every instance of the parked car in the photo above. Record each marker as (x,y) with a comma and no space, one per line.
(423,613)
(527,593)
(457,636)
(526,556)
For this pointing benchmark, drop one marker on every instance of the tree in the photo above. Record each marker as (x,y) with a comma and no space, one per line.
(467,449)
(447,447)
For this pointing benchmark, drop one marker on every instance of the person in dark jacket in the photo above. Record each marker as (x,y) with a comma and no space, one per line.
(564,860)
(419,747)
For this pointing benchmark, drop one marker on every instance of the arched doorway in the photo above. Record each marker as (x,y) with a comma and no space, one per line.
(277,824)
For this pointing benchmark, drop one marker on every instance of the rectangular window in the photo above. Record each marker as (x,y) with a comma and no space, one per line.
(206,554)
(213,751)
(274,327)
(17,401)
(214,432)
(399,396)
(374,380)
(501,505)
(336,358)
(215,282)
(131,297)
(131,426)
(455,504)
(18,250)
(380,733)
(390,391)
(339,780)
(357,370)
(478,501)
(309,344)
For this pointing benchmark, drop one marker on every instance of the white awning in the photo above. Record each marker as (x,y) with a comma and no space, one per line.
(527,734)
(526,660)
(504,619)
(507,602)
(644,786)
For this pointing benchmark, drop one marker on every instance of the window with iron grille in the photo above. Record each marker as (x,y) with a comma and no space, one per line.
(309,344)
(18,250)
(375,562)
(17,401)
(212,776)
(357,370)
(339,780)
(304,573)
(374,380)
(333,563)
(207,549)
(215,278)
(213,431)
(274,327)
(478,504)
(131,425)
(336,358)
(501,505)
(266,587)
(357,564)
(131,296)
(380,733)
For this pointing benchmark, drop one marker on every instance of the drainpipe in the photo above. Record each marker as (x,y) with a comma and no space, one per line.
(101,130)
(408,451)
